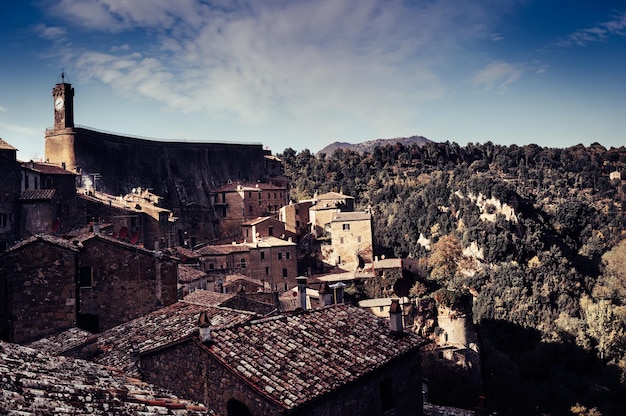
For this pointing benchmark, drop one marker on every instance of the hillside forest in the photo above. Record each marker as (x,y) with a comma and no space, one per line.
(535,234)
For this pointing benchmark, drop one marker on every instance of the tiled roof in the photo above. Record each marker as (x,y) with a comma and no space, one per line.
(183,253)
(295,358)
(257,220)
(232,278)
(352,216)
(47,168)
(6,146)
(271,242)
(332,196)
(46,238)
(62,342)
(434,410)
(394,263)
(223,249)
(207,298)
(188,274)
(37,195)
(34,383)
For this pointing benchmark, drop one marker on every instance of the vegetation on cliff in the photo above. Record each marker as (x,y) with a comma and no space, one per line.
(537,234)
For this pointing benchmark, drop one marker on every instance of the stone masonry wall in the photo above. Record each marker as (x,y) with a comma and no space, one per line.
(208,381)
(42,291)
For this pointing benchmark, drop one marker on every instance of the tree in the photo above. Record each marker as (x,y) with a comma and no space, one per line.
(444,258)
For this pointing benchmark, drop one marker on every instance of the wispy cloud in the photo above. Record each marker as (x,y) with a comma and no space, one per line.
(598,33)
(310,60)
(2,109)
(497,75)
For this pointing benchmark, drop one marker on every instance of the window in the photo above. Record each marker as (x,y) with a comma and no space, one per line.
(247,232)
(250,208)
(3,220)
(243,263)
(280,256)
(262,255)
(285,287)
(267,270)
(249,194)
(211,266)
(358,239)
(224,197)
(297,211)
(285,273)
(288,255)
(85,276)
(36,183)
(340,240)
(259,196)
(26,181)
(386,395)
(270,231)
(345,227)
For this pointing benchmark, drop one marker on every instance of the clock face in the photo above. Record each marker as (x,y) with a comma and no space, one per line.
(58,103)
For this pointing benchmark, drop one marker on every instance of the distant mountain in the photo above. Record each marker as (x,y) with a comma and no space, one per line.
(369,145)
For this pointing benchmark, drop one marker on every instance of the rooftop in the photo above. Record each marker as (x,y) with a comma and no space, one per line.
(352,216)
(47,168)
(37,195)
(251,186)
(6,146)
(295,358)
(34,383)
(188,274)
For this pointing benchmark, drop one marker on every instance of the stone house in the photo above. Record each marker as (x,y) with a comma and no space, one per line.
(38,288)
(191,279)
(10,171)
(295,216)
(139,280)
(326,208)
(351,239)
(55,211)
(270,260)
(335,360)
(261,227)
(235,203)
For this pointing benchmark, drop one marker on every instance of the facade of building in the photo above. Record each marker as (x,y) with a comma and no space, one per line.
(263,227)
(351,239)
(336,360)
(295,216)
(38,288)
(10,171)
(325,208)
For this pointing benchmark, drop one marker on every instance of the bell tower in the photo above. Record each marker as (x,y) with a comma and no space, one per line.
(63,95)
(59,145)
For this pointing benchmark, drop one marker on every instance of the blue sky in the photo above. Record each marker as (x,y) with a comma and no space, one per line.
(305,73)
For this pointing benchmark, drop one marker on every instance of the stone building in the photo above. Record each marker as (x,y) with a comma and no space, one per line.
(139,280)
(38,288)
(336,360)
(296,217)
(325,208)
(10,171)
(351,239)
(237,203)
(262,227)
(270,260)
(47,199)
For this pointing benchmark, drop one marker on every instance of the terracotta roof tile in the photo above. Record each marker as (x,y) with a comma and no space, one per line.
(297,357)
(188,274)
(47,168)
(6,146)
(37,195)
(34,383)
(46,238)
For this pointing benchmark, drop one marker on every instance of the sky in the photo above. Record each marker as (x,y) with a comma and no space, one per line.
(306,73)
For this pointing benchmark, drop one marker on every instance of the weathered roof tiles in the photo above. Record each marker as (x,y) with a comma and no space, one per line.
(34,383)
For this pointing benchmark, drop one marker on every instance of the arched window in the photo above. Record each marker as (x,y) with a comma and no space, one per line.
(236,408)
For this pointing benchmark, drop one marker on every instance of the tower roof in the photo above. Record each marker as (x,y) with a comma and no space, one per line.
(6,146)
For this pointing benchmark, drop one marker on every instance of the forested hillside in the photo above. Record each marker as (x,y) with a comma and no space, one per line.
(536,234)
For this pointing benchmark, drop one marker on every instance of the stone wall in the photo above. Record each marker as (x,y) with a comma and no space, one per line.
(10,174)
(208,381)
(127,282)
(39,290)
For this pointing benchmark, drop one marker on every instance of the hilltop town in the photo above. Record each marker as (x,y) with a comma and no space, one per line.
(181,278)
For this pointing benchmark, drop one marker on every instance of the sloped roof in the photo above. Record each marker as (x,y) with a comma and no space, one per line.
(36,383)
(37,195)
(248,186)
(223,249)
(295,358)
(352,216)
(6,146)
(45,238)
(332,196)
(188,274)
(47,168)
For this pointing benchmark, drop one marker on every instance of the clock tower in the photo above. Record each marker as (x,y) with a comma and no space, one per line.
(63,95)
(59,145)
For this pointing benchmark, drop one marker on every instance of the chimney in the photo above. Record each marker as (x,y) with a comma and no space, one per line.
(134,351)
(338,289)
(204,326)
(301,292)
(326,295)
(395,317)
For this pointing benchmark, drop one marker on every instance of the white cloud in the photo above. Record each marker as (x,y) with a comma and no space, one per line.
(601,32)
(2,109)
(497,75)
(369,61)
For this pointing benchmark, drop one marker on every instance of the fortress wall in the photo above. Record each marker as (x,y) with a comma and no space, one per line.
(181,172)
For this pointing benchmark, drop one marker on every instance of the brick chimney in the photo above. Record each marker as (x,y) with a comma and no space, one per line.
(301,292)
(204,327)
(395,317)
(326,295)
